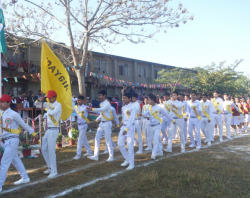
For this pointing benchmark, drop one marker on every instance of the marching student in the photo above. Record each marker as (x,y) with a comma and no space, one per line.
(247,119)
(246,112)
(127,131)
(10,124)
(184,113)
(25,105)
(177,124)
(166,104)
(138,123)
(104,126)
(165,121)
(154,112)
(206,119)
(235,119)
(217,105)
(109,99)
(228,113)
(240,106)
(187,98)
(194,120)
(83,121)
(48,148)
(145,125)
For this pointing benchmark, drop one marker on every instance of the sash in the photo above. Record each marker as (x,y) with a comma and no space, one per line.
(204,111)
(167,107)
(228,107)
(53,119)
(182,110)
(245,107)
(106,118)
(216,106)
(195,112)
(81,114)
(240,109)
(154,114)
(176,112)
(15,131)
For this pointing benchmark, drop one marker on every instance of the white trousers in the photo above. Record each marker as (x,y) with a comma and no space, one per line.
(104,127)
(155,130)
(185,129)
(227,118)
(164,128)
(113,145)
(145,129)
(82,140)
(138,125)
(10,156)
(178,126)
(49,148)
(194,123)
(130,136)
(217,119)
(206,128)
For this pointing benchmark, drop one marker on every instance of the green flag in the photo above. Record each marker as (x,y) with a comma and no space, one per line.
(3,46)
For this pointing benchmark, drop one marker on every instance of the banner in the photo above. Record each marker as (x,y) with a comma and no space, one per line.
(54,76)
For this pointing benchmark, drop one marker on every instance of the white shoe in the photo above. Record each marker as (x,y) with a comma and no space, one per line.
(47,172)
(212,140)
(105,152)
(95,158)
(159,155)
(125,163)
(191,146)
(153,157)
(139,152)
(87,154)
(205,141)
(22,181)
(221,140)
(135,143)
(77,158)
(229,138)
(198,147)
(168,150)
(51,175)
(209,143)
(145,145)
(148,149)
(164,142)
(111,159)
(183,151)
(130,168)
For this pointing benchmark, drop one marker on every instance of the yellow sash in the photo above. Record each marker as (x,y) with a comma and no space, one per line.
(106,118)
(53,119)
(245,107)
(1,118)
(167,107)
(154,114)
(228,107)
(182,110)
(176,112)
(195,112)
(15,131)
(81,114)
(216,105)
(204,111)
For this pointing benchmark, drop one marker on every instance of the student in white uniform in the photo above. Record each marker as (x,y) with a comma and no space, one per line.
(168,122)
(217,106)
(48,148)
(235,118)
(145,126)
(10,123)
(228,113)
(127,131)
(116,121)
(138,122)
(206,119)
(194,120)
(176,113)
(83,121)
(165,121)
(104,127)
(26,104)
(184,113)
(154,112)
(73,115)
(240,106)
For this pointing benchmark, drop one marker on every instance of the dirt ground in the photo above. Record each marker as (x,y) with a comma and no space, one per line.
(221,170)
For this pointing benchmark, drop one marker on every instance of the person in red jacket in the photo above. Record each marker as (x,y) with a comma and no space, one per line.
(246,112)
(247,118)
(235,119)
(240,106)
(20,98)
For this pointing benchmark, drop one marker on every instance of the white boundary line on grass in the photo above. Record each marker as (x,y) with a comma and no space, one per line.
(78,187)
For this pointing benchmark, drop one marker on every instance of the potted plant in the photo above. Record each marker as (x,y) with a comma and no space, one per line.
(59,141)
(1,152)
(26,150)
(73,135)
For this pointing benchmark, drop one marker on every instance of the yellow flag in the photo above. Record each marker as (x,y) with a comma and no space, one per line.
(54,76)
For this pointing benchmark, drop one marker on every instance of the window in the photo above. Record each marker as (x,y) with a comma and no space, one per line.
(86,69)
(144,72)
(156,73)
(139,71)
(97,64)
(123,69)
(104,67)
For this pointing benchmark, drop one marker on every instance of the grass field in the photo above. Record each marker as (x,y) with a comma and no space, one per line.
(221,170)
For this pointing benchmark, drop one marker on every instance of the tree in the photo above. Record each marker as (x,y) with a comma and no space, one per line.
(99,22)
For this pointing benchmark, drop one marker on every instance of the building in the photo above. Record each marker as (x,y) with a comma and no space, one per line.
(103,71)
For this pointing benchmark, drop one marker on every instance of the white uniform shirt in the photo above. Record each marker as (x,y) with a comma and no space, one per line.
(220,106)
(185,103)
(128,115)
(114,115)
(74,102)
(225,103)
(207,106)
(179,105)
(137,109)
(26,104)
(12,120)
(153,120)
(166,103)
(196,104)
(164,118)
(81,109)
(104,108)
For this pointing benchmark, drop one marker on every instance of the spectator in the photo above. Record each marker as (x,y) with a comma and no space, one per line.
(32,67)
(12,66)
(4,64)
(117,97)
(13,102)
(20,98)
(19,67)
(38,95)
(31,99)
(24,94)
(25,105)
(132,90)
(113,99)
(25,66)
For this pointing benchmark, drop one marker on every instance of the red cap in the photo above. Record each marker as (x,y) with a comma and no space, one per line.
(51,94)
(5,98)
